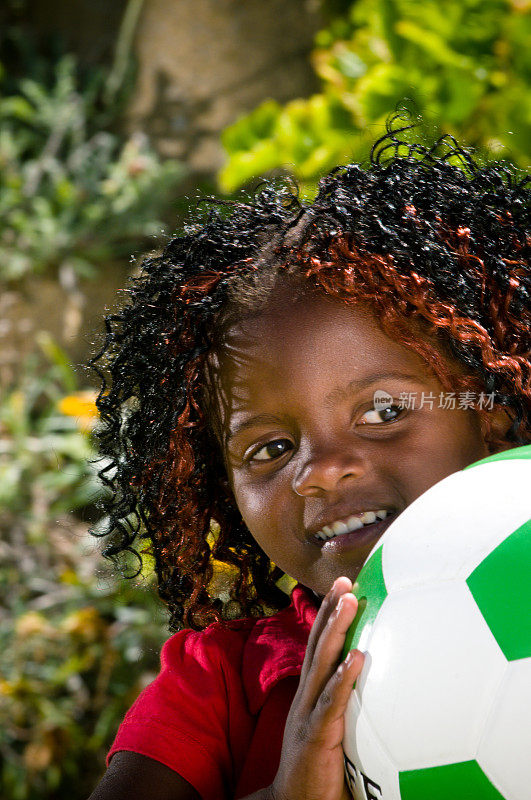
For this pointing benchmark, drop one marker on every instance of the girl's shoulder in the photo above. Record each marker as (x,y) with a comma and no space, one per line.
(219,641)
(279,637)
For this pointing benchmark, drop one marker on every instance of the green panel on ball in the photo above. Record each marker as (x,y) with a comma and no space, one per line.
(513,454)
(501,587)
(371,591)
(463,781)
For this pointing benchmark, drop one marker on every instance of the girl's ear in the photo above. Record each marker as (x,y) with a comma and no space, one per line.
(495,426)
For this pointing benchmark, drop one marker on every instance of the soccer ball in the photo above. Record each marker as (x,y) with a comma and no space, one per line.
(442,708)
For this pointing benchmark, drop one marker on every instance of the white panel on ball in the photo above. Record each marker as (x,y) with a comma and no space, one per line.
(378,774)
(504,752)
(453,551)
(423,675)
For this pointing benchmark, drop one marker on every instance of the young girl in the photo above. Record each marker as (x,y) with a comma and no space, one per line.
(240,419)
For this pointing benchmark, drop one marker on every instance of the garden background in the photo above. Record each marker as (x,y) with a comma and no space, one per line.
(114,118)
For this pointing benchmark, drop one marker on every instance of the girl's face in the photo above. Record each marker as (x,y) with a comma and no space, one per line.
(308,453)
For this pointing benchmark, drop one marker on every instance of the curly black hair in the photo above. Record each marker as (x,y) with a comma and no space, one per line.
(423,234)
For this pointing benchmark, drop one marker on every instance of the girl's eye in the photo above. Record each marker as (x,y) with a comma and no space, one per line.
(273,450)
(375,416)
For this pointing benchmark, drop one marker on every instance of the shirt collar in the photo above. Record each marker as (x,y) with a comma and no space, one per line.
(276,646)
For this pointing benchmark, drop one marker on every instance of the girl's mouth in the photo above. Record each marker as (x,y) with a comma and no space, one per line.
(355,530)
(352,523)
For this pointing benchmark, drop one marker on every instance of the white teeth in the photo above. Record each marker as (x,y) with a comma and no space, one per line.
(339,527)
(353,523)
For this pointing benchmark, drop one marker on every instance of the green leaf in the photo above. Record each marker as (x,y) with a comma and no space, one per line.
(17,107)
(433,45)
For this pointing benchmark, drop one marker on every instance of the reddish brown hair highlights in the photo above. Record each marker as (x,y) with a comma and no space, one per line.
(434,243)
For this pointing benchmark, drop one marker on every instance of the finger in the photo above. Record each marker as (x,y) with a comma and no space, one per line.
(330,645)
(339,587)
(327,653)
(333,700)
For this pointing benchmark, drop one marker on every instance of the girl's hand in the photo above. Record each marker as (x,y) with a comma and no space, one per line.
(311,764)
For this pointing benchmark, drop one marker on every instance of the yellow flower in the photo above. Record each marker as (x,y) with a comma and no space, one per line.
(82,406)
(32,624)
(6,689)
(85,623)
(70,577)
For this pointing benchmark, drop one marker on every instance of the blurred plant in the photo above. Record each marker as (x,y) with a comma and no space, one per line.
(463,65)
(74,194)
(76,645)
(75,652)
(44,456)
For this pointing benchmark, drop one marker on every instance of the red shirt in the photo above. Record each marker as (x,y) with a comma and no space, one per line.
(216,712)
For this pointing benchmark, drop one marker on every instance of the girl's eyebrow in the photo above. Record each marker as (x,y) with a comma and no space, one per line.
(339,394)
(259,419)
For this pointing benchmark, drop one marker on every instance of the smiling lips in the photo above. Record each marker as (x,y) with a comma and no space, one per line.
(352,523)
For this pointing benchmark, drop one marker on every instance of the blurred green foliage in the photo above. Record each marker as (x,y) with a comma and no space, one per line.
(464,66)
(76,645)
(77,193)
(44,455)
(74,193)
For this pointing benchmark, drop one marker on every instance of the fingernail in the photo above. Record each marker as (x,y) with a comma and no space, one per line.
(332,592)
(349,658)
(339,606)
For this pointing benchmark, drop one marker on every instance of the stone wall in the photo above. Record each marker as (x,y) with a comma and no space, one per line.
(201,64)
(205,62)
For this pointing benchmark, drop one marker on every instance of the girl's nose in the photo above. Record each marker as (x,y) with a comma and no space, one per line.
(327,471)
